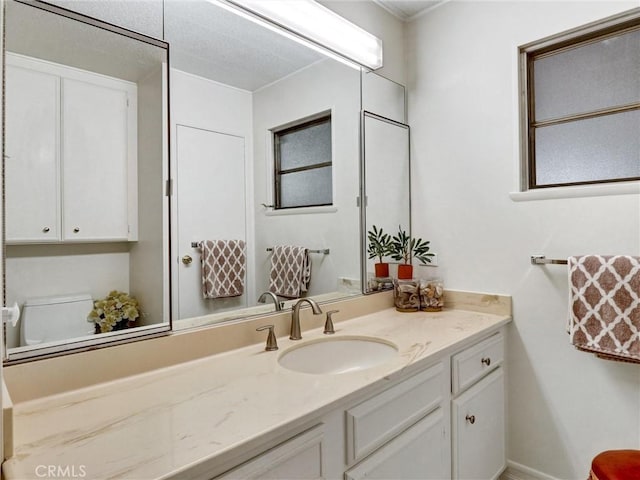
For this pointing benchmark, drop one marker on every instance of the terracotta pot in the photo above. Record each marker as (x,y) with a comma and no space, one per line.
(382,270)
(405,271)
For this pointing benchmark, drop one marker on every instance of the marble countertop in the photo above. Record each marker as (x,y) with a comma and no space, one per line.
(162,423)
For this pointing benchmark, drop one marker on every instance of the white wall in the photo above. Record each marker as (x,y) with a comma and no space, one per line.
(44,270)
(148,255)
(327,85)
(564,405)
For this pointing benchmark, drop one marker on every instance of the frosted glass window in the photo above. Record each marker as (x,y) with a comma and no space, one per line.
(581,119)
(303,164)
(307,187)
(592,150)
(594,76)
(306,146)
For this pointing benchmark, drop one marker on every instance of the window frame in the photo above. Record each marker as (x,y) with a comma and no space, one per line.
(593,32)
(278,172)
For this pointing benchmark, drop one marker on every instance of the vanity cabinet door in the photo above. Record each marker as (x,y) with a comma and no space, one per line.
(478,429)
(32,118)
(418,453)
(299,458)
(95,174)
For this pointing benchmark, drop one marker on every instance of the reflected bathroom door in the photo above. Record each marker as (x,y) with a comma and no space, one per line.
(211,205)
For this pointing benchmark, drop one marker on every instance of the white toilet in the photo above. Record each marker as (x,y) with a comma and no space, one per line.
(49,319)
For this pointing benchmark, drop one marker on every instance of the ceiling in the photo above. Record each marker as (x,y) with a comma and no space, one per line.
(205,40)
(407,9)
(211,42)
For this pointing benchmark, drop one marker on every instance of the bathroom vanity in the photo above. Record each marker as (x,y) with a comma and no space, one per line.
(434,409)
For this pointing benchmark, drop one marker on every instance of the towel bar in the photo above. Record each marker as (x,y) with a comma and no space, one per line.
(324,251)
(542,260)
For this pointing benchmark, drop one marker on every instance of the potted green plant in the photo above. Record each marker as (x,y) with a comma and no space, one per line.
(404,248)
(379,246)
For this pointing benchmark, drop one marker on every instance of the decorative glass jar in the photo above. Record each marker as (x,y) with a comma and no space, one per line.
(406,295)
(431,294)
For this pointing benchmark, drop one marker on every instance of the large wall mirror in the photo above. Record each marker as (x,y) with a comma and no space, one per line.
(85,164)
(385,171)
(264,146)
(265,138)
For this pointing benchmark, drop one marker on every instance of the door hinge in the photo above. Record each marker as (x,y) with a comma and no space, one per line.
(169,188)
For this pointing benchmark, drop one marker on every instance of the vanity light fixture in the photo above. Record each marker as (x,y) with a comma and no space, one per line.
(317,27)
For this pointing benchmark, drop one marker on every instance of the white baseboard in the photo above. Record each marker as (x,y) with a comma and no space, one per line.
(515,471)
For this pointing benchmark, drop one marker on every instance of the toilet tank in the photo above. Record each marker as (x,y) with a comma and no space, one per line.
(50,319)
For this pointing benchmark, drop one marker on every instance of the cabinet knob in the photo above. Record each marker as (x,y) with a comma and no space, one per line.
(76,229)
(471,419)
(46,229)
(187,259)
(486,361)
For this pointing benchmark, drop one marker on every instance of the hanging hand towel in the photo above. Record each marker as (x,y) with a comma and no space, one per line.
(605,306)
(290,271)
(223,268)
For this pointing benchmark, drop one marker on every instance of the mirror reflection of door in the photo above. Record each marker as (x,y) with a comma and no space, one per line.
(211,175)
(387,174)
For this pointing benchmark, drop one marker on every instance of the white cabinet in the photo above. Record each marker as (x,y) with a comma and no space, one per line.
(378,419)
(402,429)
(418,453)
(32,162)
(299,458)
(72,148)
(478,425)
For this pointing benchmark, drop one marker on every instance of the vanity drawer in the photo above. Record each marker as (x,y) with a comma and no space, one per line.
(472,364)
(377,420)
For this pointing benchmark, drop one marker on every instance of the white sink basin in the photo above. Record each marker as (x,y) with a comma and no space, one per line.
(337,355)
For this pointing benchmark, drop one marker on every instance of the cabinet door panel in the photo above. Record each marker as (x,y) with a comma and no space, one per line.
(299,458)
(418,453)
(95,166)
(478,429)
(31,167)
(380,418)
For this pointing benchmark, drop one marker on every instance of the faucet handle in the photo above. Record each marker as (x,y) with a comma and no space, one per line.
(272,343)
(328,325)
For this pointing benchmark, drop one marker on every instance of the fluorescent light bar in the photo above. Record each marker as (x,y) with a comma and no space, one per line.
(320,25)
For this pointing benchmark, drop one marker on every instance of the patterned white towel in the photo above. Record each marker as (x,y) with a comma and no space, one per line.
(223,268)
(605,306)
(290,271)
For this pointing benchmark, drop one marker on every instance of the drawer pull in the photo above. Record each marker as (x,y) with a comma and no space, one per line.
(471,419)
(46,229)
(486,361)
(76,229)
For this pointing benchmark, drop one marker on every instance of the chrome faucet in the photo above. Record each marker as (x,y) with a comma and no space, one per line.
(295,316)
(263,299)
